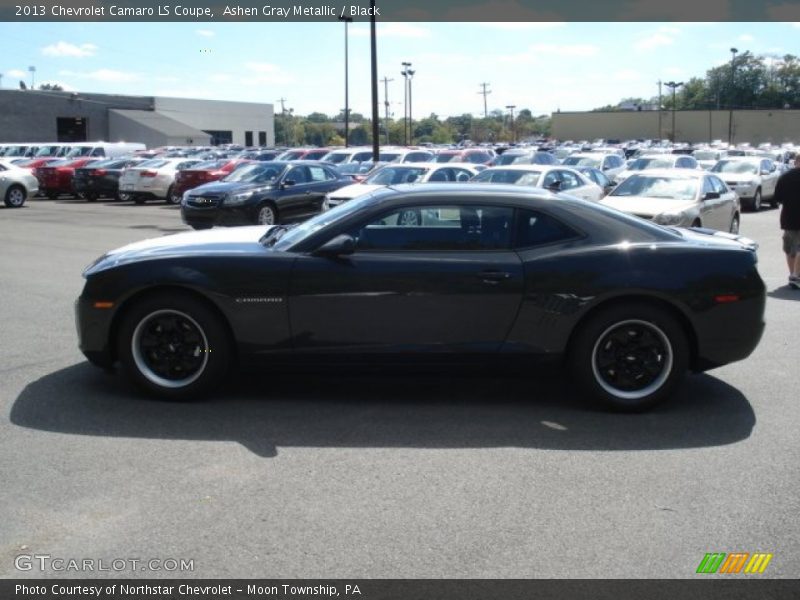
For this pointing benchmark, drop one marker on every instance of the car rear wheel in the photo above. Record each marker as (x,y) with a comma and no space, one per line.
(630,357)
(172,197)
(91,196)
(174,346)
(735,224)
(123,197)
(52,195)
(267,215)
(138,199)
(15,196)
(755,203)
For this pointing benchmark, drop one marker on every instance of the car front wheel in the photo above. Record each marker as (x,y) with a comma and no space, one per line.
(267,215)
(174,346)
(630,357)
(735,224)
(755,204)
(15,196)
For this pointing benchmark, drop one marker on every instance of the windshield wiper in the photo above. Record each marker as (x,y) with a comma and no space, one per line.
(270,238)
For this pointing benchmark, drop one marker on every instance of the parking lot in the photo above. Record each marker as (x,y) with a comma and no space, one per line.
(483,475)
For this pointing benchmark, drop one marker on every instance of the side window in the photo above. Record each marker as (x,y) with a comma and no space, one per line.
(298,175)
(461,175)
(318,174)
(718,185)
(569,180)
(551,178)
(98,152)
(707,186)
(535,229)
(447,228)
(440,175)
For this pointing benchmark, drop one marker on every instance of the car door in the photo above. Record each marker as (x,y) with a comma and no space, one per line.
(728,203)
(712,211)
(574,184)
(448,283)
(295,193)
(769,178)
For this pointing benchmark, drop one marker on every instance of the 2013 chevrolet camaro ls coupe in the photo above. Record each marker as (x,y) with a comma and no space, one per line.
(480,271)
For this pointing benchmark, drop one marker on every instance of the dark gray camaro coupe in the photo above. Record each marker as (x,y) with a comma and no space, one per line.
(456,272)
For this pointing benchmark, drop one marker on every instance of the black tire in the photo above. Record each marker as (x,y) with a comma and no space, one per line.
(267,214)
(138,199)
(153,334)
(15,196)
(170,199)
(735,223)
(91,196)
(630,357)
(52,195)
(697,223)
(755,203)
(201,227)
(123,197)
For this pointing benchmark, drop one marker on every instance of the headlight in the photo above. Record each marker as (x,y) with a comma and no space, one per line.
(669,218)
(234,199)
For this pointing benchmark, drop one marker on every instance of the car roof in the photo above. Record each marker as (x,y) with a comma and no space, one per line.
(672,173)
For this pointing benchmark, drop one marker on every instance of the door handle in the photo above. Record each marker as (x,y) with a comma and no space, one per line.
(494,277)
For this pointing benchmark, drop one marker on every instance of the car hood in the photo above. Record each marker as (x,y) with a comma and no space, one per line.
(357,189)
(642,205)
(228,187)
(222,241)
(738,177)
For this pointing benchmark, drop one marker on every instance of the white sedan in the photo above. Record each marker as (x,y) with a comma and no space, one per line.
(395,173)
(553,178)
(678,197)
(153,178)
(753,178)
(16,185)
(657,161)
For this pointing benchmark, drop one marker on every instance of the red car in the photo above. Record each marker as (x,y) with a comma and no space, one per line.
(34,163)
(56,177)
(201,173)
(478,156)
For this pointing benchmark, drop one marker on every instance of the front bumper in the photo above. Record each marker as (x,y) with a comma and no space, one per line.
(94,328)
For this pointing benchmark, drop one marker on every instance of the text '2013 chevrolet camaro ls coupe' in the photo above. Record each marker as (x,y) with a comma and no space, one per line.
(479,272)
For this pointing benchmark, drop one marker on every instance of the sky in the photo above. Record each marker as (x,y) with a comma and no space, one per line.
(540,66)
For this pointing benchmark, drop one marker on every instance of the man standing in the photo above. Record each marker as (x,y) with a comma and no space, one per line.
(787,192)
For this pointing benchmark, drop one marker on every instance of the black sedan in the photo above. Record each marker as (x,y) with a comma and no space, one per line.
(101,178)
(488,271)
(267,193)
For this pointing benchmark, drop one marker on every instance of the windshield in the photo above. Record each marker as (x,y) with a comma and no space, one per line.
(291,155)
(354,168)
(46,151)
(394,175)
(323,219)
(706,155)
(583,161)
(444,157)
(79,151)
(506,159)
(389,156)
(515,176)
(640,164)
(671,188)
(336,157)
(209,165)
(263,173)
(734,166)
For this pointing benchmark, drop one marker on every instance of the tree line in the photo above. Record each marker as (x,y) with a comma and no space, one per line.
(745,82)
(319,129)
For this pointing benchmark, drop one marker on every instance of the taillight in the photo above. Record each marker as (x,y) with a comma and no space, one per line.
(98,172)
(148,174)
(216,174)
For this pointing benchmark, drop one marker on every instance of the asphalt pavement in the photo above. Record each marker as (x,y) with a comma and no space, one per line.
(388,475)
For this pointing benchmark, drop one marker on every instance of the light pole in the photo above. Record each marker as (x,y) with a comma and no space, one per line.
(406,72)
(673,85)
(373,51)
(386,81)
(732,96)
(511,107)
(410,106)
(33,76)
(346,21)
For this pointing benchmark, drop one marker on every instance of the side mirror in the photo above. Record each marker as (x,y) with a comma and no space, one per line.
(287,183)
(555,186)
(711,196)
(341,245)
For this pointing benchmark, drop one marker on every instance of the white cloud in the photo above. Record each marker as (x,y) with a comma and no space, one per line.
(15,73)
(219,78)
(674,71)
(104,75)
(654,41)
(264,73)
(626,75)
(746,37)
(393,29)
(670,30)
(71,50)
(565,49)
(204,32)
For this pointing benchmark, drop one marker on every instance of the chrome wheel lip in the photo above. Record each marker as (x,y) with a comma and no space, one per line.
(146,370)
(735,225)
(265,211)
(16,197)
(652,387)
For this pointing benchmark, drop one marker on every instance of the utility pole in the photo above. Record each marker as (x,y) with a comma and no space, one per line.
(386,81)
(283,120)
(673,85)
(659,110)
(374,81)
(485,92)
(406,72)
(511,107)
(732,96)
(346,20)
